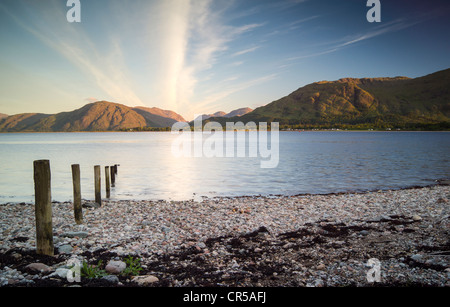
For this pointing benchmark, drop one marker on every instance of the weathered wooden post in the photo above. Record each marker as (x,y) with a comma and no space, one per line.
(78,211)
(113,176)
(97,183)
(108,188)
(43,208)
(115,169)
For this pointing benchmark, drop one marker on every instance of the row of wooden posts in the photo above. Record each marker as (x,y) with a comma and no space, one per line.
(43,199)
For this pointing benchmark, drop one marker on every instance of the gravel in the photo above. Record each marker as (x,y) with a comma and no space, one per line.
(304,240)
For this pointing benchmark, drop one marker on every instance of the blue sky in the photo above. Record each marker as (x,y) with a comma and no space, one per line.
(203,56)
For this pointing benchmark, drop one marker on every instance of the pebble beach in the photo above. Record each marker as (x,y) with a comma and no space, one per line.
(304,240)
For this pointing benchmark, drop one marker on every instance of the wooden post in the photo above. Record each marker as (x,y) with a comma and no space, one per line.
(97,183)
(113,176)
(115,169)
(43,208)
(78,211)
(108,188)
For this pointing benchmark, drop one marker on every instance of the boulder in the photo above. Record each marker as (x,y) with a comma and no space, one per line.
(65,249)
(111,279)
(73,234)
(38,268)
(115,267)
(91,205)
(145,280)
(417,257)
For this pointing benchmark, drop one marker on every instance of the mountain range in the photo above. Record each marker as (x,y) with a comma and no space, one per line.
(234,113)
(367,102)
(98,116)
(402,102)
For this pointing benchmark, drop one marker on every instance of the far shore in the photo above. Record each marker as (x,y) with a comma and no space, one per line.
(165,131)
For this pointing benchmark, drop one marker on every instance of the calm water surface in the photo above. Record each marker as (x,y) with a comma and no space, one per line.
(309,162)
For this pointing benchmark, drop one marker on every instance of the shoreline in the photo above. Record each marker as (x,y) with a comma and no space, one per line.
(303,240)
(437,182)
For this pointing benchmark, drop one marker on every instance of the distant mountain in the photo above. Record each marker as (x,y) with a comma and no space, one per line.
(238,112)
(163,113)
(156,117)
(377,102)
(3,115)
(98,116)
(21,122)
(206,116)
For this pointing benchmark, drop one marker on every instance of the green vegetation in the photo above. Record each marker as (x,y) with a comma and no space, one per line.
(133,266)
(95,271)
(444,126)
(92,271)
(141,129)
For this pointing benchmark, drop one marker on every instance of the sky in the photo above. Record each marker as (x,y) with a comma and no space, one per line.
(204,56)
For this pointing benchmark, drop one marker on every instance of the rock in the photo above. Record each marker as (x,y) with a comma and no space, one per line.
(364,232)
(145,280)
(115,267)
(60,272)
(234,264)
(38,268)
(416,218)
(91,205)
(73,234)
(65,249)
(318,283)
(16,256)
(431,262)
(381,218)
(321,266)
(12,281)
(111,279)
(417,257)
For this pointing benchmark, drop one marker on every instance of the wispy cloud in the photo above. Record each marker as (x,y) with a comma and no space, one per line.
(173,44)
(347,41)
(392,26)
(270,6)
(237,63)
(248,50)
(107,70)
(198,37)
(302,20)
